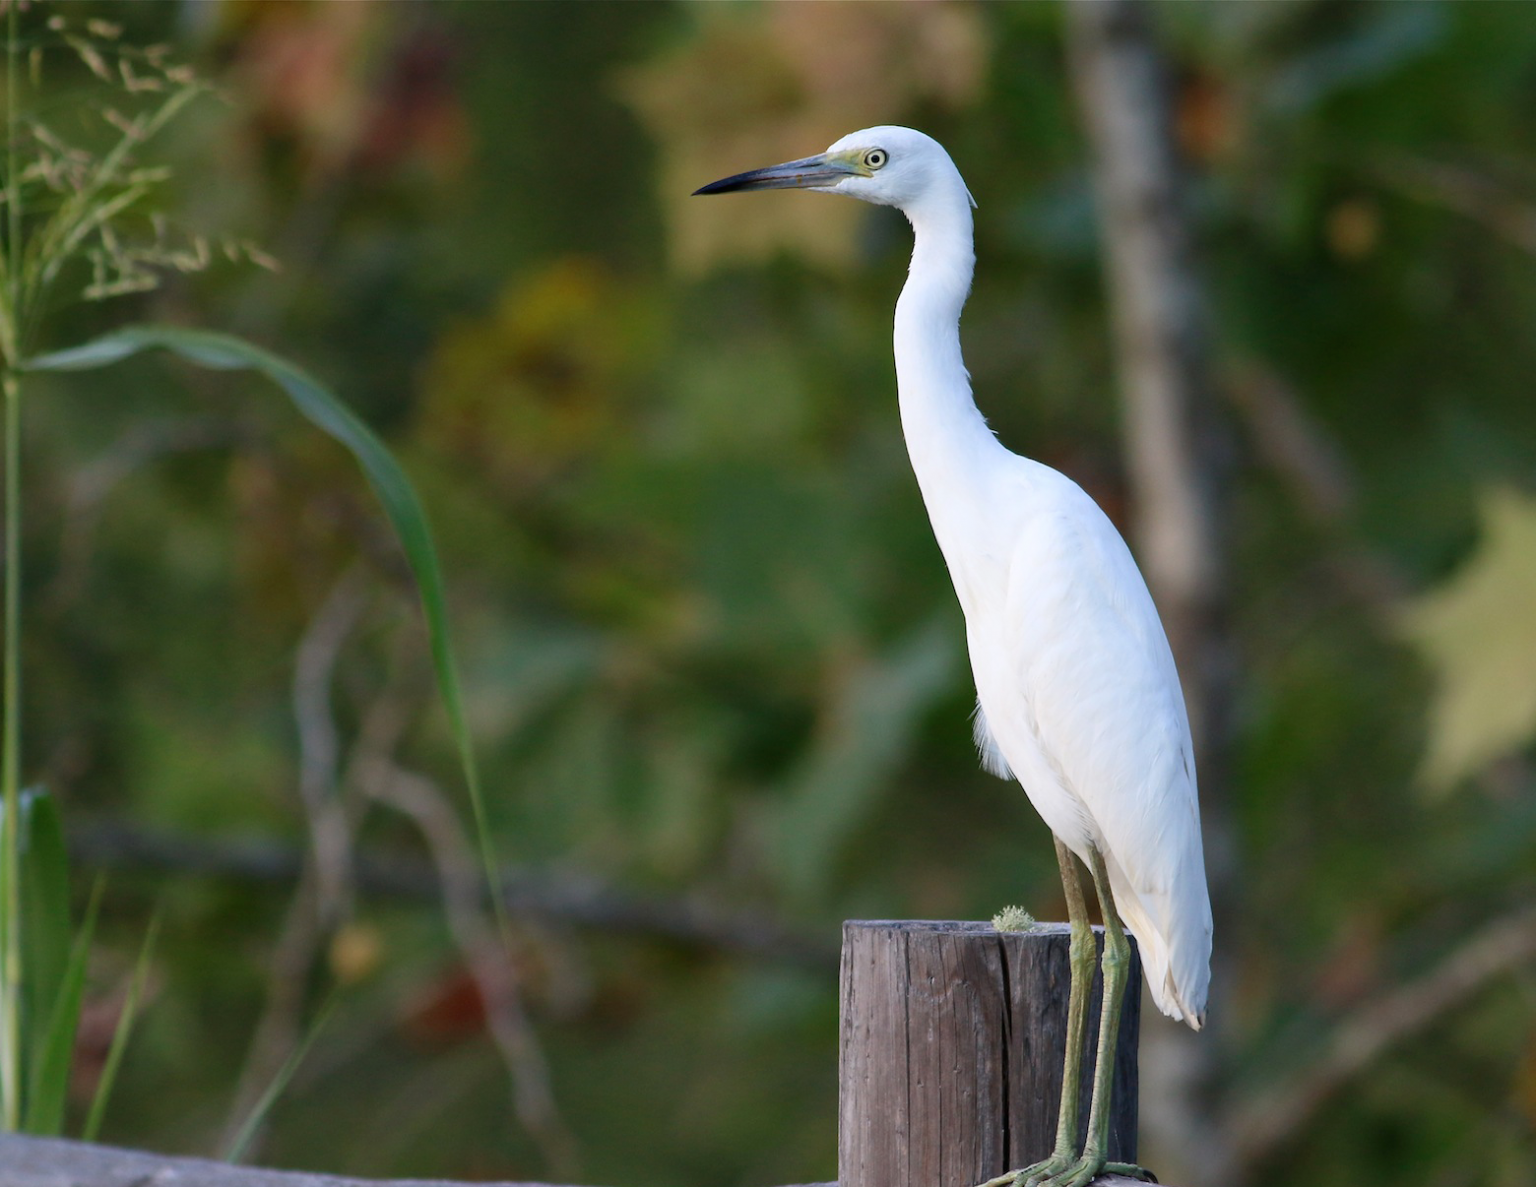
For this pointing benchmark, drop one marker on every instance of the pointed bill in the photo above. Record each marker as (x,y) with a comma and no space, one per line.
(808,173)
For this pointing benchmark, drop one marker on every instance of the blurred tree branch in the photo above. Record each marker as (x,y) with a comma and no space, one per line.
(1307,460)
(91,485)
(488,956)
(562,897)
(324,888)
(1465,191)
(1262,1124)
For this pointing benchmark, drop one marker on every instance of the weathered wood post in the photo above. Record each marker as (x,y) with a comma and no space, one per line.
(951,1052)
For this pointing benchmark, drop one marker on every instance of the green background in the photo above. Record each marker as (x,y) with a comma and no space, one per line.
(710,651)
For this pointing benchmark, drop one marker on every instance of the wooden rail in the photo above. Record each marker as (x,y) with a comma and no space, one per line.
(53,1162)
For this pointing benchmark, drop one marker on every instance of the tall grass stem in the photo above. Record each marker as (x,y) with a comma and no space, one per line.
(10,858)
(263,1106)
(10,733)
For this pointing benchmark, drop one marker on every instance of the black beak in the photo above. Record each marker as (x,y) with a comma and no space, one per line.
(808,173)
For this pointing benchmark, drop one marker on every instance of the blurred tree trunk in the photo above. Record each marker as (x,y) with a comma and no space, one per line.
(1162,358)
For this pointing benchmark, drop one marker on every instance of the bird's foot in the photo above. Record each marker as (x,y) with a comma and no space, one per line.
(1088,1168)
(1063,1170)
(1033,1176)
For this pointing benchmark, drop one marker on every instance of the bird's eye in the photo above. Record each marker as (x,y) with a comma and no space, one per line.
(875,157)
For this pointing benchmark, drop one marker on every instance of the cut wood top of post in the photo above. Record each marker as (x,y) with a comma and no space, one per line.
(961,927)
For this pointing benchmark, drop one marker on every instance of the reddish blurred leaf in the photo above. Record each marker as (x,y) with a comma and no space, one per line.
(444,1011)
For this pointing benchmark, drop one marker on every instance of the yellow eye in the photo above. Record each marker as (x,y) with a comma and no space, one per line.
(875,158)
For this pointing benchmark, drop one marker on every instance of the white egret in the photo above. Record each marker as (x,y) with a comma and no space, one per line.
(1077,694)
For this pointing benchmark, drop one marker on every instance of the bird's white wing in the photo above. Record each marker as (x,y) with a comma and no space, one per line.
(1100,700)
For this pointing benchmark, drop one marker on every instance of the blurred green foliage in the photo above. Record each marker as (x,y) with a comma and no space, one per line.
(709,646)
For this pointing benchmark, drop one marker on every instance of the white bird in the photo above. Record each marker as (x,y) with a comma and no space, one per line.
(1077,694)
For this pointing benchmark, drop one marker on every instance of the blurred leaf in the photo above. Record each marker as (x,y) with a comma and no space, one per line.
(303,73)
(869,725)
(120,1035)
(800,76)
(1525,1082)
(1477,634)
(323,408)
(45,935)
(515,675)
(263,1106)
(539,383)
(48,1079)
(1388,37)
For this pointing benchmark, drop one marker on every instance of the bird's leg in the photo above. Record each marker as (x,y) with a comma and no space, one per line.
(1081,954)
(1116,963)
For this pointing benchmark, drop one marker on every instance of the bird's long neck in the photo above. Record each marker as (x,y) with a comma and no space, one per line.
(947,438)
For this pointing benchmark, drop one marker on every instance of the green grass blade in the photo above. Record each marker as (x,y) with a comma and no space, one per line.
(45,935)
(262,1107)
(394,489)
(120,1034)
(48,1087)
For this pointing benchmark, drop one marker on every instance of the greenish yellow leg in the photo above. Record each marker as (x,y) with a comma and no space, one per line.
(1116,963)
(1082,954)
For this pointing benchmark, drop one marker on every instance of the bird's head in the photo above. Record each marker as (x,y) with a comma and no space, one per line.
(888,165)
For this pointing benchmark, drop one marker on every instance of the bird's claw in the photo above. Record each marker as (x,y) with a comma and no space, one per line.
(1081,1173)
(1031,1176)
(1047,1171)
(1087,1169)
(1064,1171)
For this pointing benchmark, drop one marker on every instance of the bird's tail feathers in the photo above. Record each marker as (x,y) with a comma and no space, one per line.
(1178,979)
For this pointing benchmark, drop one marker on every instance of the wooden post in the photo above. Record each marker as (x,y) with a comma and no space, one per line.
(953,1036)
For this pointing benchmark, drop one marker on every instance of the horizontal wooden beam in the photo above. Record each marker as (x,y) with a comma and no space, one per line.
(55,1162)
